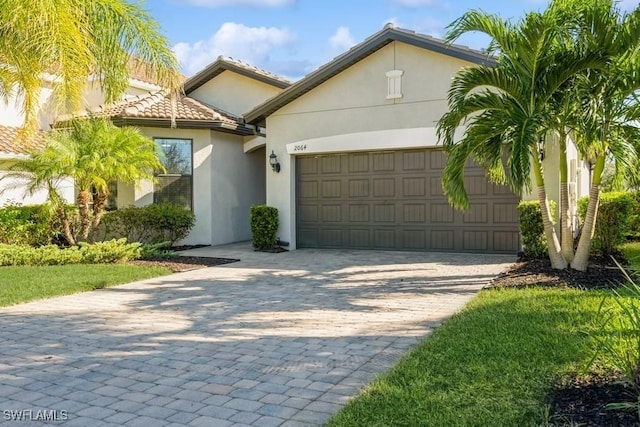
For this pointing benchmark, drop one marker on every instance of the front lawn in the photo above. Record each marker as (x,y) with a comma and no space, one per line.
(20,284)
(492,364)
(495,363)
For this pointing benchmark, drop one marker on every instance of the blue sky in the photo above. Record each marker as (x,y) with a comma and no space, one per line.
(294,37)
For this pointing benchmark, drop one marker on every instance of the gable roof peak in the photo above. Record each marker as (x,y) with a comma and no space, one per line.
(227,63)
(389,33)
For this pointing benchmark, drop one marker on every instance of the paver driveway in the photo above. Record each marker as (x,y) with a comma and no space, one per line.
(277,339)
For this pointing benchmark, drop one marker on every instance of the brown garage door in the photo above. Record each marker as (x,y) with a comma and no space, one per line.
(394,200)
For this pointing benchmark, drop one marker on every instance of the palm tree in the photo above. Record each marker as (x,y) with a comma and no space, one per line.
(602,102)
(74,39)
(93,152)
(506,106)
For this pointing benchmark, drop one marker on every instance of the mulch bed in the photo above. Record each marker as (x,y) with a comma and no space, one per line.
(602,273)
(582,401)
(184,263)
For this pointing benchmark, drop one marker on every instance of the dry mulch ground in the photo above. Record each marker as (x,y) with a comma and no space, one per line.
(582,401)
(601,274)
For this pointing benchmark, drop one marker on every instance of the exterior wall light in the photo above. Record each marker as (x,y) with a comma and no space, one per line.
(273,161)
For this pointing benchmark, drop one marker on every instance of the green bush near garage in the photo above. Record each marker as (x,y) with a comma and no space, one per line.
(612,224)
(264,226)
(534,241)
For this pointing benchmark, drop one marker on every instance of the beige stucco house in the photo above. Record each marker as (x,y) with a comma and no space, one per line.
(360,162)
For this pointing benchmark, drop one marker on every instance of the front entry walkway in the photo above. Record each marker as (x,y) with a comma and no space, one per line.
(274,340)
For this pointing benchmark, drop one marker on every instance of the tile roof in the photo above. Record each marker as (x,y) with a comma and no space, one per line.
(138,70)
(158,105)
(10,144)
(224,63)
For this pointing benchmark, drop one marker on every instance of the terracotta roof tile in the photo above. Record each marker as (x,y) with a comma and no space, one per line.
(11,144)
(254,69)
(158,105)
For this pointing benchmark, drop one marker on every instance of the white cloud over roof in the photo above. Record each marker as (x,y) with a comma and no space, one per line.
(250,44)
(342,39)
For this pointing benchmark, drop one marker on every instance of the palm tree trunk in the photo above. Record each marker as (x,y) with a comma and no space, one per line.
(566,231)
(84,196)
(99,205)
(555,252)
(61,212)
(581,260)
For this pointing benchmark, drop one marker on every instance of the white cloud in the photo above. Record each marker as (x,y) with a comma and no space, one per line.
(254,3)
(342,39)
(251,44)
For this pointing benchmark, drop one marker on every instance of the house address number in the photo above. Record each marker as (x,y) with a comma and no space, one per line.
(300,147)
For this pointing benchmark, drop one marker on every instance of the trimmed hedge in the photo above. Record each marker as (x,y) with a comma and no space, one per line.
(612,223)
(152,224)
(634,219)
(85,253)
(534,241)
(31,225)
(264,226)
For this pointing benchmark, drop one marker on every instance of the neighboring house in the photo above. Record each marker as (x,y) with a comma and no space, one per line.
(360,165)
(13,188)
(215,162)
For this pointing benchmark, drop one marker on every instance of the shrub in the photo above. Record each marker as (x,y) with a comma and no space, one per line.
(534,241)
(96,253)
(152,224)
(264,226)
(27,225)
(634,217)
(612,223)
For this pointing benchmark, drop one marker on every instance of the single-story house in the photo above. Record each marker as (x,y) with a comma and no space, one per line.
(348,154)
(359,161)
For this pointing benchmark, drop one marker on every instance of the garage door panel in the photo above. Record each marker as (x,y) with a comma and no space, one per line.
(394,200)
(384,162)
(414,187)
(441,213)
(414,161)
(475,240)
(358,188)
(332,189)
(359,238)
(358,163)
(384,239)
(478,214)
(506,241)
(414,212)
(442,240)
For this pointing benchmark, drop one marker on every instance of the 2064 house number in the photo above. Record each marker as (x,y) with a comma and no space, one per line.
(300,147)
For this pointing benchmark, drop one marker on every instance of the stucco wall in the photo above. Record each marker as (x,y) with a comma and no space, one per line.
(238,181)
(354,103)
(13,190)
(234,93)
(143,192)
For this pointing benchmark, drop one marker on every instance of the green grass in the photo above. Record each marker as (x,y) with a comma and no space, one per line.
(631,251)
(492,364)
(26,283)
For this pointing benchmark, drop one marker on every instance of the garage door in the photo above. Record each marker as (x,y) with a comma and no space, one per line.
(394,201)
